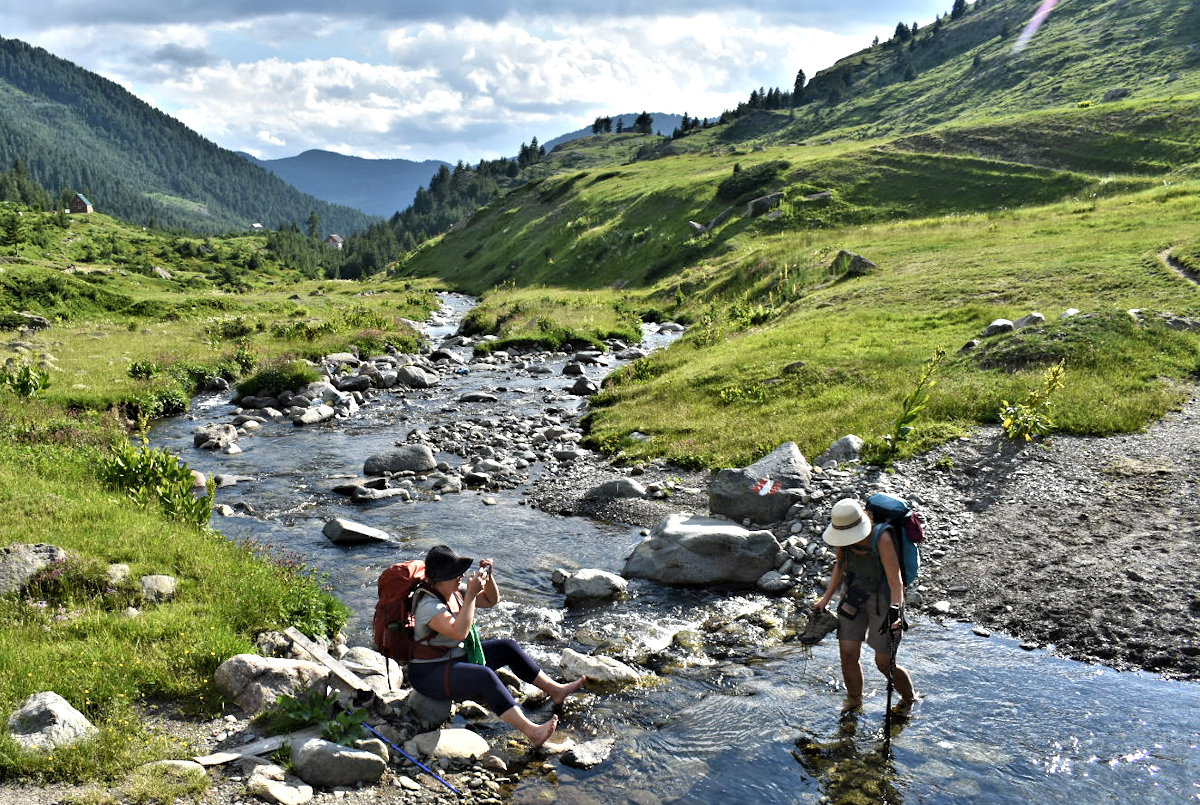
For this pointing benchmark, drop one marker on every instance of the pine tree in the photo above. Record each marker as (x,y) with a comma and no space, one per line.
(958,10)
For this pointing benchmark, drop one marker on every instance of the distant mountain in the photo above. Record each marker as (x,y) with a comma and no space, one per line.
(663,124)
(377,186)
(77,131)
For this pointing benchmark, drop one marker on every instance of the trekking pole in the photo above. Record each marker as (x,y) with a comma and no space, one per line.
(893,644)
(418,763)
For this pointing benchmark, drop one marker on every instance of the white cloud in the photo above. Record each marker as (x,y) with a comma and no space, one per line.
(446,87)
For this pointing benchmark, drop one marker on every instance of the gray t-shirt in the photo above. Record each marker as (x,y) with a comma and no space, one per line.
(427,608)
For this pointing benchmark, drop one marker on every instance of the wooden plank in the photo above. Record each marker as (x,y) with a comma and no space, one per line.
(340,671)
(260,747)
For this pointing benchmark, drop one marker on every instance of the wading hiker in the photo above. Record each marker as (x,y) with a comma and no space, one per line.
(444,618)
(872,604)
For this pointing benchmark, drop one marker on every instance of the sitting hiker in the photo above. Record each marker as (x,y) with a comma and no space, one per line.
(872,604)
(445,617)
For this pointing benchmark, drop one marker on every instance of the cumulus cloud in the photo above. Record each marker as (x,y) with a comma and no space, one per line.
(459,79)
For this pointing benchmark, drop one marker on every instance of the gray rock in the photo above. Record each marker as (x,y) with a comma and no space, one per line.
(21,561)
(157,589)
(46,721)
(215,437)
(478,396)
(1030,320)
(347,532)
(997,327)
(406,458)
(353,383)
(587,755)
(760,492)
(685,549)
(616,488)
(416,377)
(593,585)
(582,387)
(255,682)
(596,668)
(314,415)
(343,359)
(426,711)
(451,744)
(851,264)
(325,764)
(847,448)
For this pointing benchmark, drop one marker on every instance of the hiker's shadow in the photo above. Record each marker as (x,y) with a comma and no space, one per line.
(851,767)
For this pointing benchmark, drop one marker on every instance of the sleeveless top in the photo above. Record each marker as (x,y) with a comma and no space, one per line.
(428,605)
(863,572)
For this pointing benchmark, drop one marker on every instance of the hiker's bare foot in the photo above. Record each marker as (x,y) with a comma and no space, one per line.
(566,690)
(542,732)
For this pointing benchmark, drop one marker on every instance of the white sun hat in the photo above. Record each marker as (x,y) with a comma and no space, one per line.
(848,524)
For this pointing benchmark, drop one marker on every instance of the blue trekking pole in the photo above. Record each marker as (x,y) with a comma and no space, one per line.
(418,763)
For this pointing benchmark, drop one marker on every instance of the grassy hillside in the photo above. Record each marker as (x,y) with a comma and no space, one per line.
(968,223)
(967,69)
(623,223)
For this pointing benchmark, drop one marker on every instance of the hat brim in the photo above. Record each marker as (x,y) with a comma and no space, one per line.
(841,537)
(460,566)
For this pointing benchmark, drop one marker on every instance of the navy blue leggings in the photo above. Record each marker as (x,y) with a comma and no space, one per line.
(467,680)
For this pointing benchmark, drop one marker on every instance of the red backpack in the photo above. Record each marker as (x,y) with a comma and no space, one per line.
(393,622)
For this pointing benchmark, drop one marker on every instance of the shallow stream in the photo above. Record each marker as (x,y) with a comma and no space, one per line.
(998,724)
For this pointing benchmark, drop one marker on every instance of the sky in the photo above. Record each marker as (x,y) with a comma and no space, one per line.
(444,79)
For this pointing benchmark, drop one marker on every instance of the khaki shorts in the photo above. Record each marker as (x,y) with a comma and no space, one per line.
(868,625)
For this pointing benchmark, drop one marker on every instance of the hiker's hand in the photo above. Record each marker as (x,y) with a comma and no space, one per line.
(895,621)
(486,566)
(820,605)
(475,584)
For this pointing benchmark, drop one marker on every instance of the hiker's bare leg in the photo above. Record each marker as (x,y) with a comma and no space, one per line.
(557,691)
(901,680)
(537,734)
(852,674)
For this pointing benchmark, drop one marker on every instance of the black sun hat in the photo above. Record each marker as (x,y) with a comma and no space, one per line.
(442,563)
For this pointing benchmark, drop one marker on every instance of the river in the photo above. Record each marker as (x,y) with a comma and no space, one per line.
(749,722)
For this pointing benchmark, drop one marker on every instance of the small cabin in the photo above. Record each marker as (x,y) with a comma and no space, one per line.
(336,241)
(80,205)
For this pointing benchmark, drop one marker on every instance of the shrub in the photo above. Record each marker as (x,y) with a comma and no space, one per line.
(284,375)
(151,475)
(25,379)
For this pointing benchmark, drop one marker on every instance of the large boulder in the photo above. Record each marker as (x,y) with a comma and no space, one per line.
(597,668)
(255,682)
(452,743)
(325,764)
(340,531)
(19,563)
(762,491)
(406,458)
(589,585)
(416,377)
(47,721)
(686,549)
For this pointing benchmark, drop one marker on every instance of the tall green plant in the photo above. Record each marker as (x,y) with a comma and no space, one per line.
(151,475)
(1031,419)
(913,404)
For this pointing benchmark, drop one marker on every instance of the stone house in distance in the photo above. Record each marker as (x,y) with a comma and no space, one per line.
(336,241)
(80,205)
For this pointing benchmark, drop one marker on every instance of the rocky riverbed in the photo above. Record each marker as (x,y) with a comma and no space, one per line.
(1080,545)
(1084,546)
